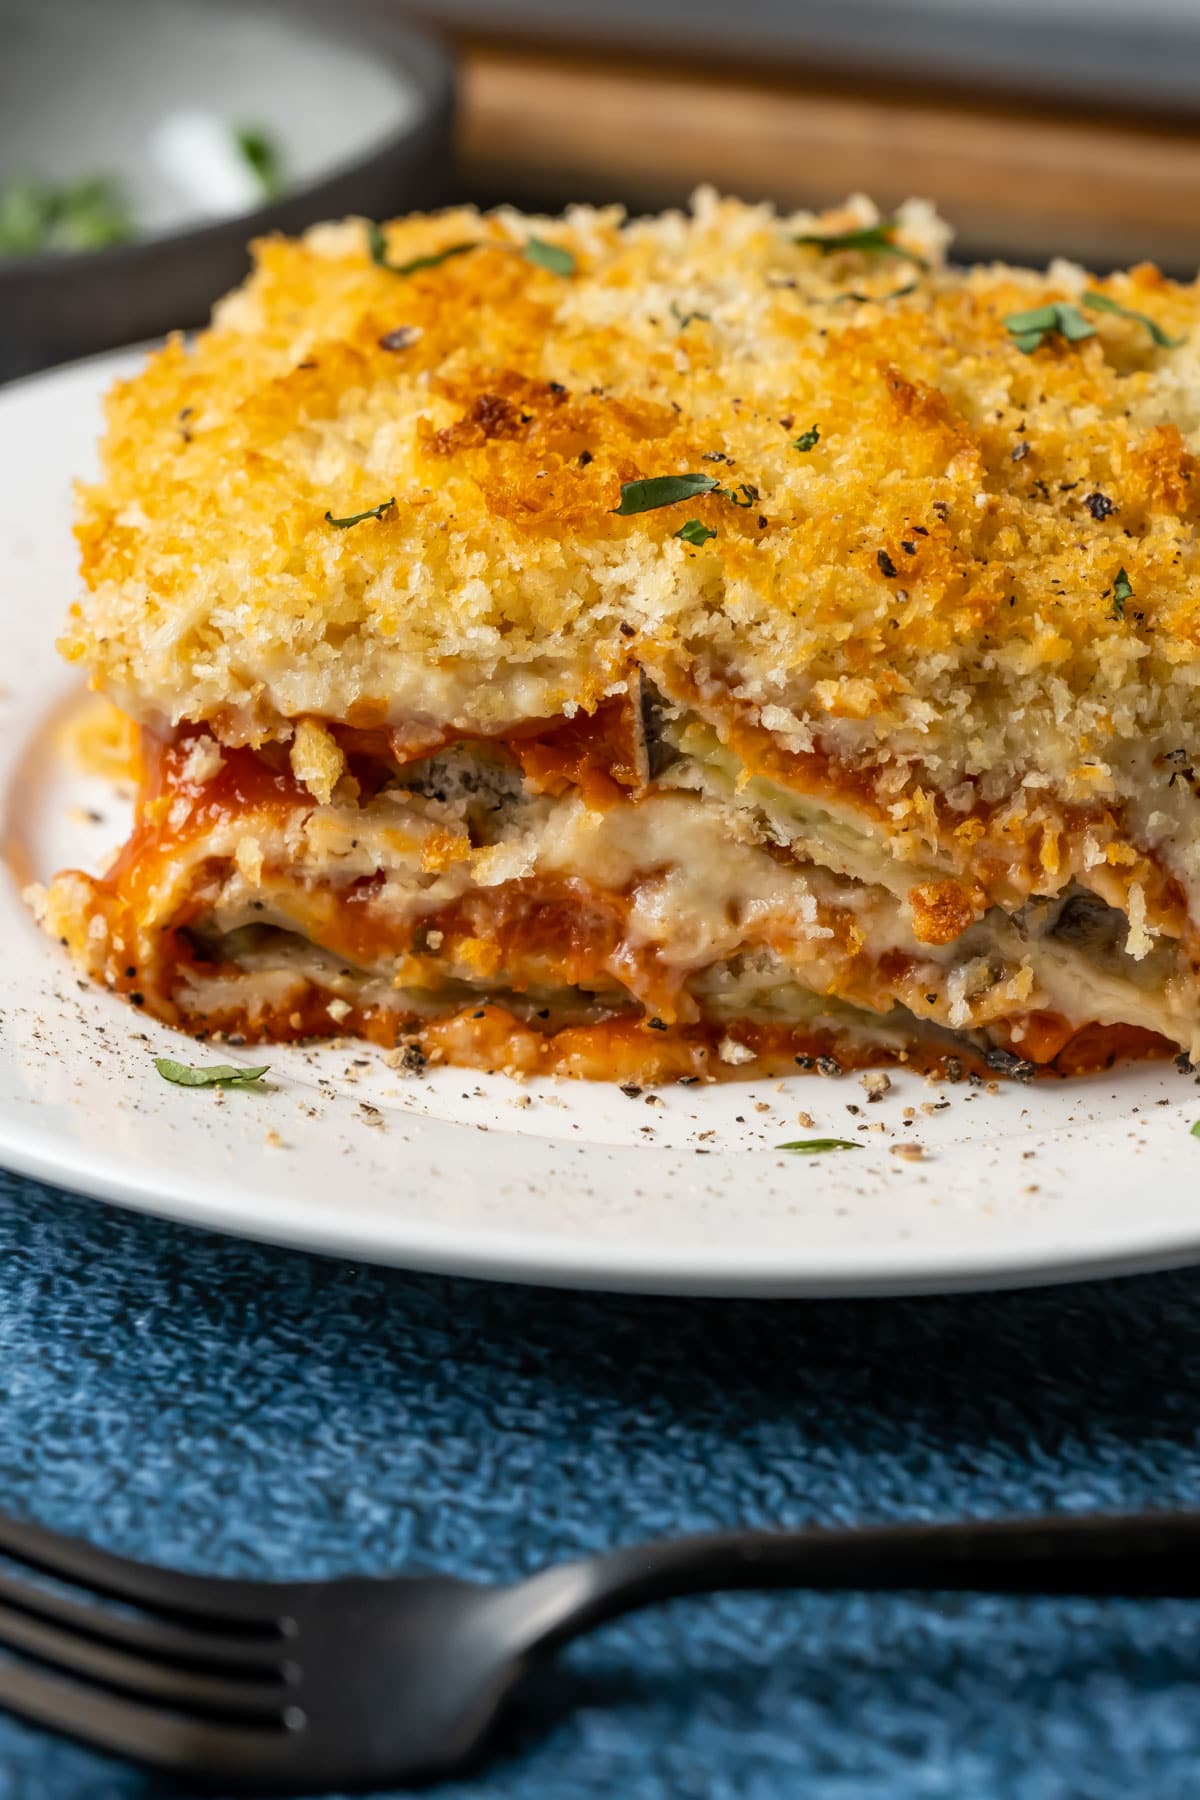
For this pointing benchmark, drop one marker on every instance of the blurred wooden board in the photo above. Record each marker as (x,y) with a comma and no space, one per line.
(1017,179)
(1105,53)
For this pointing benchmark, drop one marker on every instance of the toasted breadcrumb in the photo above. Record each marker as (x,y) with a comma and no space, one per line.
(317,760)
(202,762)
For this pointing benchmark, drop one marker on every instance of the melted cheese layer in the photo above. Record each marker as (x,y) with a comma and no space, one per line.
(637,905)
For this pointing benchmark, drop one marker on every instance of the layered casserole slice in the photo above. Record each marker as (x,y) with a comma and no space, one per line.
(646,650)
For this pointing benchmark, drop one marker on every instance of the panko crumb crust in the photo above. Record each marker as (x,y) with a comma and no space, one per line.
(934,581)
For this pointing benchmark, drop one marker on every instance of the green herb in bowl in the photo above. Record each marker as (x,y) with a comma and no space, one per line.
(37,217)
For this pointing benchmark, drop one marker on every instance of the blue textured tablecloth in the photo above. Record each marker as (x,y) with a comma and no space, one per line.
(230,1408)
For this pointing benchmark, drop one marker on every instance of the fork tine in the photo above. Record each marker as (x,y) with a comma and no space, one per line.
(187,1688)
(200,1598)
(143,1634)
(125,1728)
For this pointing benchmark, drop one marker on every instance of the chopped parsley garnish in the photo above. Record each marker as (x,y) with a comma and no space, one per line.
(377,245)
(1030,329)
(548,256)
(808,440)
(1104,303)
(372,512)
(73,216)
(817,1146)
(878,240)
(216,1075)
(686,318)
(695,532)
(661,490)
(1122,591)
(261,151)
(861,299)
(1195,1132)
(535,250)
(654,491)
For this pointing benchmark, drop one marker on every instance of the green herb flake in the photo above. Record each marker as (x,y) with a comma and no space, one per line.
(695,532)
(687,318)
(78,215)
(257,148)
(216,1075)
(372,512)
(1195,1131)
(877,240)
(549,256)
(861,299)
(1104,303)
(818,1146)
(377,245)
(665,490)
(1029,330)
(1122,591)
(808,440)
(1073,325)
(654,491)
(26,219)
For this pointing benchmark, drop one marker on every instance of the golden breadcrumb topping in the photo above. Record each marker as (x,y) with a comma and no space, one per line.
(932,542)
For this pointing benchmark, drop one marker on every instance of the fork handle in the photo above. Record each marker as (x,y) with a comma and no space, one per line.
(1136,1554)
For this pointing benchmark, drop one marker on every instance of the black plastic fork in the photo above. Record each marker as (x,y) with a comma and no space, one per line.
(266,1687)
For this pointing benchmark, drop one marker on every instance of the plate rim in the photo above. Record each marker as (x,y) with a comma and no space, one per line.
(544,1260)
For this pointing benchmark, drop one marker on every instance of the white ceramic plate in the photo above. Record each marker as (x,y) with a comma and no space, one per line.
(552,1182)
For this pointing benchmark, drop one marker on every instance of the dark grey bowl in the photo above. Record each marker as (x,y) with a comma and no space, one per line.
(361,107)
